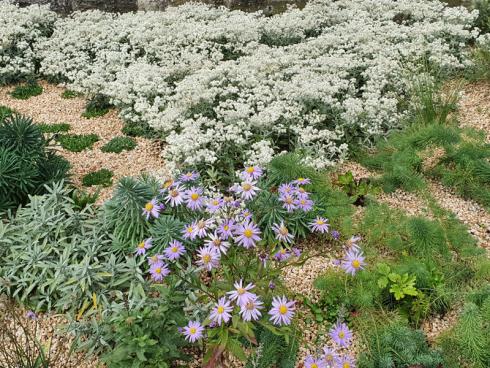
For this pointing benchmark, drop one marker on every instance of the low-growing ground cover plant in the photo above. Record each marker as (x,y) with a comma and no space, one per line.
(5,112)
(25,91)
(101,177)
(77,142)
(54,128)
(119,144)
(96,106)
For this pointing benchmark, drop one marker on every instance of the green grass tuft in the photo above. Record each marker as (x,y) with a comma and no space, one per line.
(54,128)
(25,91)
(119,144)
(142,129)
(99,105)
(101,177)
(77,142)
(68,94)
(5,112)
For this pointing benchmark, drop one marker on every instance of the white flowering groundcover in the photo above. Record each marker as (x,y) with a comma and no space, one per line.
(228,86)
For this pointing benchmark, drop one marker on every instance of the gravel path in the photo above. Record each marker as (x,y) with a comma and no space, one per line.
(474,107)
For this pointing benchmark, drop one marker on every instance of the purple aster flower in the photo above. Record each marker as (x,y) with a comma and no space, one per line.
(208,258)
(219,244)
(155,259)
(296,252)
(345,362)
(159,271)
(286,189)
(189,176)
(302,181)
(152,209)
(247,190)
(225,230)
(320,224)
(336,262)
(214,205)
(250,311)
(263,257)
(190,231)
(175,196)
(143,247)
(311,362)
(335,234)
(241,294)
(203,227)
(247,234)
(168,183)
(174,250)
(282,255)
(352,242)
(301,193)
(282,311)
(193,331)
(330,356)
(282,233)
(341,334)
(31,315)
(289,203)
(251,173)
(353,261)
(246,214)
(272,286)
(221,312)
(194,198)
(304,204)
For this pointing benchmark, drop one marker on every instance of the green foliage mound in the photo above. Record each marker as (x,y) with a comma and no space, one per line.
(26,163)
(54,128)
(25,91)
(98,105)
(119,144)
(101,177)
(77,142)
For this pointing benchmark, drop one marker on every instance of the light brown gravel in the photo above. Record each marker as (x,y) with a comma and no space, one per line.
(408,202)
(49,107)
(474,107)
(435,326)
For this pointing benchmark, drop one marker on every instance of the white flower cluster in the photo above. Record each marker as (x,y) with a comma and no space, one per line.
(224,84)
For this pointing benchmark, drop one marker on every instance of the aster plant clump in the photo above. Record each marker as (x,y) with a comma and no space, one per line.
(229,252)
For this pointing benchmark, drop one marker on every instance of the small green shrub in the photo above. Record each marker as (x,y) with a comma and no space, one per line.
(137,129)
(101,177)
(25,91)
(77,142)
(5,112)
(67,94)
(119,144)
(483,20)
(54,128)
(99,105)
(82,199)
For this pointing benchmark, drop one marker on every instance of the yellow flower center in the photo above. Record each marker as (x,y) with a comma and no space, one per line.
(250,169)
(346,365)
(250,306)
(302,201)
(329,358)
(283,231)
(283,251)
(192,330)
(217,242)
(201,224)
(221,309)
(226,228)
(141,245)
(149,206)
(301,190)
(283,309)
(174,193)
(154,259)
(341,334)
(158,270)
(194,196)
(320,222)
(241,291)
(248,233)
(301,179)
(246,187)
(190,229)
(167,183)
(289,200)
(215,202)
(314,365)
(206,258)
(356,263)
(174,249)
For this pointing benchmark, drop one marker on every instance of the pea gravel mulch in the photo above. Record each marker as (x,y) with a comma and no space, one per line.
(49,107)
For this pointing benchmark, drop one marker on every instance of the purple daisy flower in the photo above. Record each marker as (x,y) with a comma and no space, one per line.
(301,193)
(353,261)
(241,293)
(159,271)
(246,215)
(251,173)
(320,224)
(247,234)
(208,258)
(286,189)
(282,255)
(282,311)
(330,356)
(194,199)
(311,362)
(302,181)
(203,226)
(31,315)
(247,190)
(289,203)
(214,205)
(341,334)
(335,234)
(250,311)
(193,331)
(225,230)
(272,286)
(219,244)
(263,257)
(174,250)
(189,176)
(175,196)
(152,209)
(296,252)
(304,204)
(352,242)
(190,231)
(143,247)
(282,233)
(345,362)
(155,259)
(221,312)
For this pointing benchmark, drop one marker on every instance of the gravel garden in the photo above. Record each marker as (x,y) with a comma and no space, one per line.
(205,187)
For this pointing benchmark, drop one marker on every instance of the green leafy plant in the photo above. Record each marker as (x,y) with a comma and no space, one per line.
(98,105)
(68,94)
(140,129)
(82,199)
(483,20)
(399,285)
(77,142)
(355,189)
(102,177)
(5,112)
(119,144)
(25,91)
(54,128)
